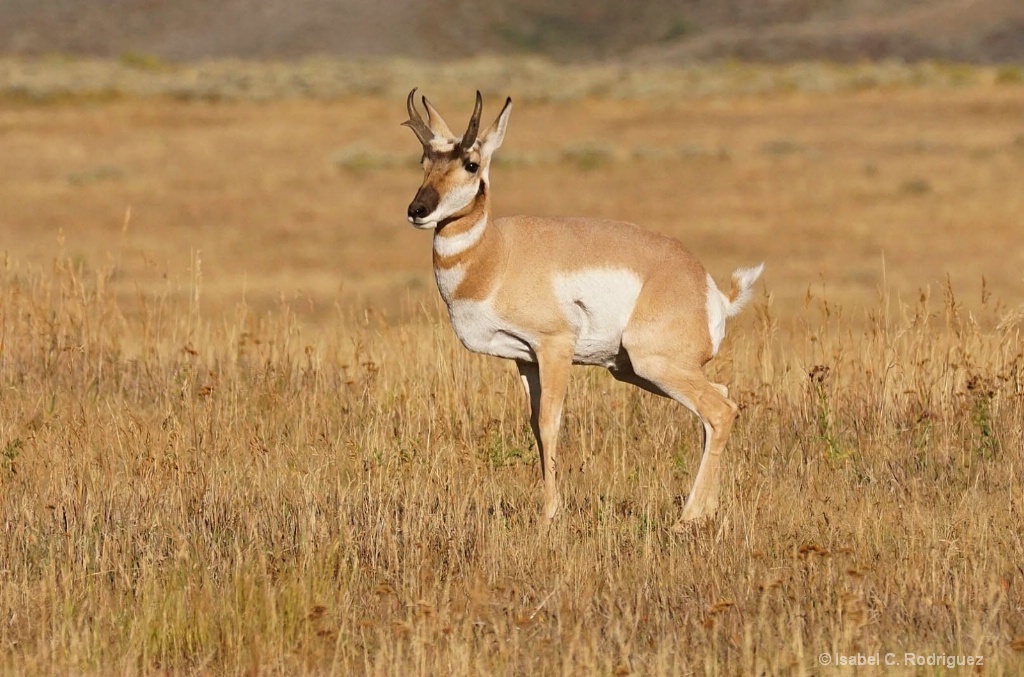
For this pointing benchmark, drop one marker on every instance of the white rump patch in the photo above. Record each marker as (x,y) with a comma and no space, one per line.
(718,310)
(453,245)
(598,304)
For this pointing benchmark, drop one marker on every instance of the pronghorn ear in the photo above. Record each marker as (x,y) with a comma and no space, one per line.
(491,140)
(436,122)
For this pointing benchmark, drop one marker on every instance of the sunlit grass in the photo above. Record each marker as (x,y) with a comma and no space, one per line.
(189,494)
(238,436)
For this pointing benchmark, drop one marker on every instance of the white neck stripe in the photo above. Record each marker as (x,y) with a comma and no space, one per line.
(453,245)
(448,281)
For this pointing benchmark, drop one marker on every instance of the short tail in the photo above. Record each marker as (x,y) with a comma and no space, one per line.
(743,280)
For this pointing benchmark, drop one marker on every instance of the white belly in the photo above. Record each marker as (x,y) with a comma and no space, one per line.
(597,304)
(482,330)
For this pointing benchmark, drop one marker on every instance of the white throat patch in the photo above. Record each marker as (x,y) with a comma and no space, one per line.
(453,245)
(448,281)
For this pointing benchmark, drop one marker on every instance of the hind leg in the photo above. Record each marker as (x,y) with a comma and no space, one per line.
(717,413)
(710,402)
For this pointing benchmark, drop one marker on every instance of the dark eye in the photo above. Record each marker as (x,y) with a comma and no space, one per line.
(471,167)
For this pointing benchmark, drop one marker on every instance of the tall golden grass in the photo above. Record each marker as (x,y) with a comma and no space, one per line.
(192,495)
(237,435)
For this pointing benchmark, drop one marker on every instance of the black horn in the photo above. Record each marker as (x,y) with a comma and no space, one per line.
(469,138)
(415,122)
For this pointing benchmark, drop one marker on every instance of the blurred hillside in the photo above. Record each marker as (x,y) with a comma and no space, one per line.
(651,31)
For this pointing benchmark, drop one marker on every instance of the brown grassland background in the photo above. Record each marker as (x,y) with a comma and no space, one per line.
(237,435)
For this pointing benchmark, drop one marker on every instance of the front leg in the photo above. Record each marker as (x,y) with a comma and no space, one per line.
(545,382)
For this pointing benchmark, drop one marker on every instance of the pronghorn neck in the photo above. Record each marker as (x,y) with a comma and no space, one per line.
(457,237)
(465,249)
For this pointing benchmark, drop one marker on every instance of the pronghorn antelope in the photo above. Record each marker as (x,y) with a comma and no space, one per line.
(552,292)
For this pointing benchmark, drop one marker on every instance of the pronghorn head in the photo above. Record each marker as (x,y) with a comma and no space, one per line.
(455,170)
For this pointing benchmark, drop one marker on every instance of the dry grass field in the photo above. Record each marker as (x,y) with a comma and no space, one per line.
(237,435)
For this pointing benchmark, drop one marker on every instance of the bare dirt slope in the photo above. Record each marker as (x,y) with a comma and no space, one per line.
(960,30)
(964,30)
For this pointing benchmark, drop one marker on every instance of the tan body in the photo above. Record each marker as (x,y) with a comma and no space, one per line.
(517,261)
(551,292)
